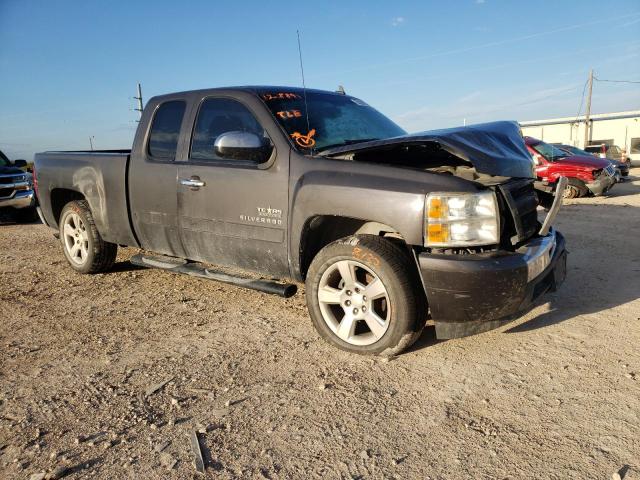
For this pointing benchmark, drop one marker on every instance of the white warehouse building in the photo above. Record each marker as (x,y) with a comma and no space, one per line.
(621,129)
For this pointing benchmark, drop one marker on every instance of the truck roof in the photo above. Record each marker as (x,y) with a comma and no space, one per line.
(254,89)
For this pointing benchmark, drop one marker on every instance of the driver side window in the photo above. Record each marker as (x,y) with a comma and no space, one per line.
(218,116)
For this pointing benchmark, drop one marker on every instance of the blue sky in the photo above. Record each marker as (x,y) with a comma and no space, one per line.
(68,69)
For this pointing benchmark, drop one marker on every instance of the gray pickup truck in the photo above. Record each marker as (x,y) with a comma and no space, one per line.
(16,190)
(386,229)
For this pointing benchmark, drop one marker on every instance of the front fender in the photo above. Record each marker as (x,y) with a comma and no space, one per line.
(390,196)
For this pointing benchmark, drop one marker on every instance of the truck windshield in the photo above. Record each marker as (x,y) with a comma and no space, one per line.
(334,119)
(549,152)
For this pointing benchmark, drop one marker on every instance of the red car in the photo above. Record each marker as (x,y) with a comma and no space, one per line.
(586,174)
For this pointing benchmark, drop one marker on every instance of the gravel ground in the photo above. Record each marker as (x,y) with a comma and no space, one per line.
(106,376)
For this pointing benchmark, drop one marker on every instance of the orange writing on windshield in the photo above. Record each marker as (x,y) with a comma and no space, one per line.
(289,114)
(305,141)
(280,96)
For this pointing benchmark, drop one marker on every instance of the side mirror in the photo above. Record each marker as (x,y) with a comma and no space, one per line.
(20,163)
(242,146)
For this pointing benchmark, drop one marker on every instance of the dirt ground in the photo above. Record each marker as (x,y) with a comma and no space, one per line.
(555,394)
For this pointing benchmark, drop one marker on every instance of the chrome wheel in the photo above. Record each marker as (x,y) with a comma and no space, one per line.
(76,238)
(570,192)
(354,303)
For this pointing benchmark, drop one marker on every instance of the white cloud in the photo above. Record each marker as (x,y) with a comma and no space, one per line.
(397,21)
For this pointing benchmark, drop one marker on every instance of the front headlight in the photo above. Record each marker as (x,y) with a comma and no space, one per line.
(461,219)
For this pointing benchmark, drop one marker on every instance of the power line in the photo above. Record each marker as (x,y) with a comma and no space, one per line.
(615,81)
(582,99)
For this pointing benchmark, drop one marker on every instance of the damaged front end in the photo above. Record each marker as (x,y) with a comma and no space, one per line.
(474,287)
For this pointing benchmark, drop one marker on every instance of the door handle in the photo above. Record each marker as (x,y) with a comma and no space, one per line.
(194,183)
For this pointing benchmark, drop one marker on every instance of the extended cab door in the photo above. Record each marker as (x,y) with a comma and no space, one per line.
(234,212)
(153,173)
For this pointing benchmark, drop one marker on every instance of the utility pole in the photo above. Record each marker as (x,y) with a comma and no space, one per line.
(139,98)
(587,114)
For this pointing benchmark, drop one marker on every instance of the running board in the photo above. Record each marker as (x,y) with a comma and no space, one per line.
(180,265)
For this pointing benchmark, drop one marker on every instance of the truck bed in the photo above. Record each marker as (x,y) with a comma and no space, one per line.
(100,176)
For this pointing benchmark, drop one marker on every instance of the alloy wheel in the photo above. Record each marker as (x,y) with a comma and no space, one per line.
(76,238)
(354,302)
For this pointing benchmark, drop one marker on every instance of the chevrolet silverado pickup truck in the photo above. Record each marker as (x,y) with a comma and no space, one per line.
(16,190)
(288,185)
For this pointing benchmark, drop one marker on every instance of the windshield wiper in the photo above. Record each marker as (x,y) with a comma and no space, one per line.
(346,142)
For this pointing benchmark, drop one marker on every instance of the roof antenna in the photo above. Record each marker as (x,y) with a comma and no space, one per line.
(340,90)
(304,87)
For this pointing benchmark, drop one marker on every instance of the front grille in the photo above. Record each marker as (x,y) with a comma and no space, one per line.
(7,179)
(5,192)
(521,201)
(609,170)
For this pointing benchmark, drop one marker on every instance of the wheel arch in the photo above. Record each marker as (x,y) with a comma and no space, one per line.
(320,230)
(60,197)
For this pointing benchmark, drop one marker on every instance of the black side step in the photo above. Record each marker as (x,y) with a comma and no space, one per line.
(180,265)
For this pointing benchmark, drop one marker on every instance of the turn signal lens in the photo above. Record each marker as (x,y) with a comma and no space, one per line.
(435,209)
(437,233)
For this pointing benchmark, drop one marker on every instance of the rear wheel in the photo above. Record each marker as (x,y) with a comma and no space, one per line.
(82,244)
(574,189)
(363,296)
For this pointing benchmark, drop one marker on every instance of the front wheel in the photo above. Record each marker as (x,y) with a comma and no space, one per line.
(82,244)
(574,189)
(363,296)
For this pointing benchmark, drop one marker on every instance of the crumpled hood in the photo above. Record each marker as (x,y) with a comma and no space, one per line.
(495,148)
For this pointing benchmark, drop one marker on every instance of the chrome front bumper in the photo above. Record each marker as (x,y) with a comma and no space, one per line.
(601,185)
(19,199)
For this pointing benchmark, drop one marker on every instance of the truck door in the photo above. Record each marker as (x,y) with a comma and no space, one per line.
(153,175)
(233,211)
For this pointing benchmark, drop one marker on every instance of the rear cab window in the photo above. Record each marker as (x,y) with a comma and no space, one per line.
(165,130)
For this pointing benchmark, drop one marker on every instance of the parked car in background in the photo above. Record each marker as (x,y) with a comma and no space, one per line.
(16,190)
(622,168)
(610,152)
(586,174)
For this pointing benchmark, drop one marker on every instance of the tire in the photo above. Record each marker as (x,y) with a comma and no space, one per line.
(397,315)
(83,247)
(574,189)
